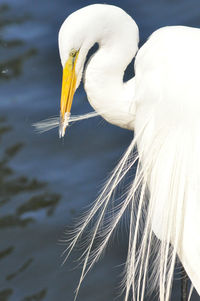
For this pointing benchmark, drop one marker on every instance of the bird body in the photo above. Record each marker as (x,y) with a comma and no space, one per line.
(167,90)
(162,105)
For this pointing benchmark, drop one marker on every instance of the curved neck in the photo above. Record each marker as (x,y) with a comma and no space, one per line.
(106,91)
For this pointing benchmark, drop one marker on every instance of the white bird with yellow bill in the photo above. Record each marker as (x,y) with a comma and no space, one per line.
(161,104)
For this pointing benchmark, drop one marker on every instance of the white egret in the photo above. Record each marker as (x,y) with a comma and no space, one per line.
(162,105)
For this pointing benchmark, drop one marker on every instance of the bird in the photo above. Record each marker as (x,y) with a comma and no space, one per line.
(161,105)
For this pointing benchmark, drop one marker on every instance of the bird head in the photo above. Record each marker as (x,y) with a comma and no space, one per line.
(80,31)
(71,50)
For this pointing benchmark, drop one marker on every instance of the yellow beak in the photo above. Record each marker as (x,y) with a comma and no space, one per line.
(68,90)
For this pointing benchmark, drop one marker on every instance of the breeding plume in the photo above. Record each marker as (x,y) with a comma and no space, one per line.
(161,104)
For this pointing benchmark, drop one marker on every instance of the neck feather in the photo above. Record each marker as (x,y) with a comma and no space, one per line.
(106,91)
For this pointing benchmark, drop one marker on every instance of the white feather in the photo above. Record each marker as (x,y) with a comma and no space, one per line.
(54,122)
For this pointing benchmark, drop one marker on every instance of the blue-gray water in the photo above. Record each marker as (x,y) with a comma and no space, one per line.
(44,182)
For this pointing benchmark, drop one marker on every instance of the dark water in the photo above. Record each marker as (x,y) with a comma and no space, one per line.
(44,182)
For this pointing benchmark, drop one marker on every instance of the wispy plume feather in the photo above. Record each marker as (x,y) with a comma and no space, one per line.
(150,262)
(54,122)
(165,156)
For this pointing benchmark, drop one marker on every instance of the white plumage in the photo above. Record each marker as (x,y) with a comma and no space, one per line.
(162,105)
(167,88)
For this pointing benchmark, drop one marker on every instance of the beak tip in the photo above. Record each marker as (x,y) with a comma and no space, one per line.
(60,134)
(64,122)
(62,129)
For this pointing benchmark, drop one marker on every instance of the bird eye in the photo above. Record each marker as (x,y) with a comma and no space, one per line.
(73,53)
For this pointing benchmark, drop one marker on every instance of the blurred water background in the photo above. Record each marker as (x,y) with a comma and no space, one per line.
(46,182)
